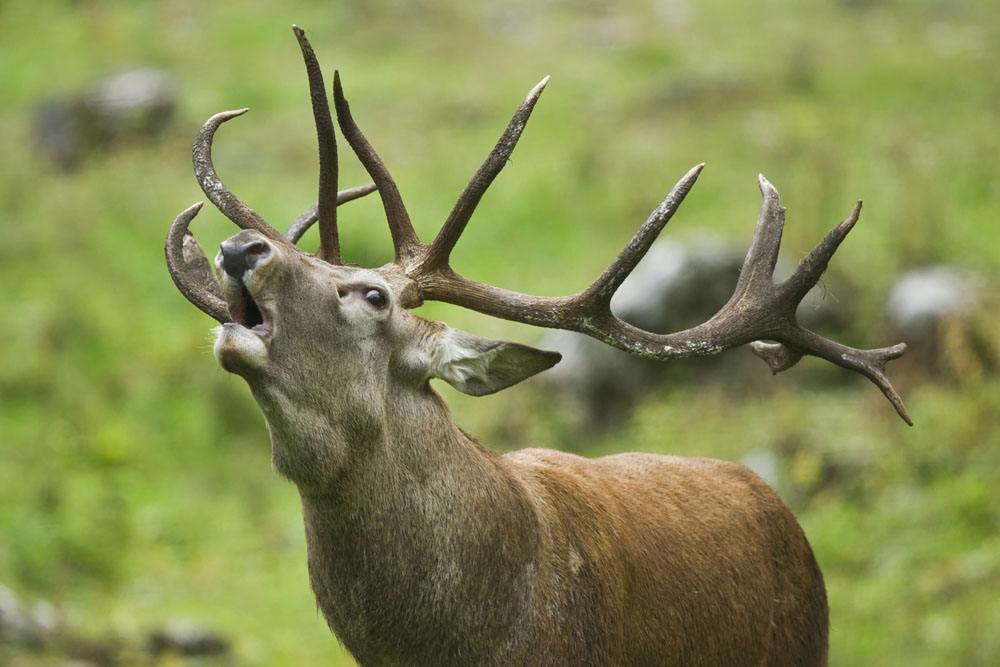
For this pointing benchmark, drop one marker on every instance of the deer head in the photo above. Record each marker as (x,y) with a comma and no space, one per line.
(314,337)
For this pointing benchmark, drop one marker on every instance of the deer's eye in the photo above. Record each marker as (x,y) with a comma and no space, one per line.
(375,297)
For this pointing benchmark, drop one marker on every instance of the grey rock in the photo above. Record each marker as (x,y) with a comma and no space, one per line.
(58,130)
(136,104)
(186,637)
(948,318)
(45,618)
(138,100)
(14,620)
(922,298)
(33,627)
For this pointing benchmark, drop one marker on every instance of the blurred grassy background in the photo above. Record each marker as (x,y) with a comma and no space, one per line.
(135,482)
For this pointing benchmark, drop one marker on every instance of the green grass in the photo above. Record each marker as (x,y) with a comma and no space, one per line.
(135,482)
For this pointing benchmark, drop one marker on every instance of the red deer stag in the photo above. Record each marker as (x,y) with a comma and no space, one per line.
(427,548)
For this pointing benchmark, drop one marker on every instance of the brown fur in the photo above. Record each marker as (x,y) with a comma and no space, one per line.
(425,548)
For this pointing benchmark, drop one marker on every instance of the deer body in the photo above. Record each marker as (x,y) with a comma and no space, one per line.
(427,548)
(430,549)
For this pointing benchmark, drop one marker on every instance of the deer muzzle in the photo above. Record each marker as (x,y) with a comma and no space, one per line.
(239,259)
(237,256)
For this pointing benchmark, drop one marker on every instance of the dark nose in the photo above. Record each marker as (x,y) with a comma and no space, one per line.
(239,256)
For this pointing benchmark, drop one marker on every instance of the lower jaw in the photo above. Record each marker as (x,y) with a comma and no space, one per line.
(240,350)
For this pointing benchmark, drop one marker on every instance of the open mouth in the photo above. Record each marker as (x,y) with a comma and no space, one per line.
(248,313)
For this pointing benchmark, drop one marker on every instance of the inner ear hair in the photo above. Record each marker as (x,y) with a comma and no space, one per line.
(479,366)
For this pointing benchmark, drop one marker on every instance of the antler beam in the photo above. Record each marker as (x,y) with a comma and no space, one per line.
(759,310)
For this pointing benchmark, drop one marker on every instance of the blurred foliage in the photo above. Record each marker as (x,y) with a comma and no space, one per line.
(134,474)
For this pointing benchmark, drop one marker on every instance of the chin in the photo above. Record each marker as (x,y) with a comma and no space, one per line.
(238,349)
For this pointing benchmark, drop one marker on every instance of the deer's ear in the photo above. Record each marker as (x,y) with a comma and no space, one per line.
(479,366)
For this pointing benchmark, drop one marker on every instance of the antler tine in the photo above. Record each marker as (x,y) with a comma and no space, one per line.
(870,363)
(308,217)
(190,269)
(439,252)
(758,267)
(602,289)
(775,355)
(329,243)
(404,238)
(758,311)
(814,264)
(201,155)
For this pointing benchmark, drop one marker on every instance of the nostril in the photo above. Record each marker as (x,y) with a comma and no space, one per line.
(254,252)
(257,248)
(234,262)
(237,257)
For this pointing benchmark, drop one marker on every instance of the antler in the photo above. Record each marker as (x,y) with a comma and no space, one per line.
(404,238)
(438,253)
(213,187)
(326,208)
(309,216)
(760,310)
(186,261)
(190,269)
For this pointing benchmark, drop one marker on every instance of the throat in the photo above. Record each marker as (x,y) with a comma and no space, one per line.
(411,526)
(346,445)
(405,551)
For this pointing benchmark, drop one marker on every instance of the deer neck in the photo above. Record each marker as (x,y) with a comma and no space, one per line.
(418,528)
